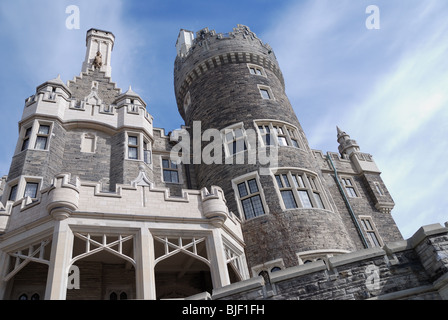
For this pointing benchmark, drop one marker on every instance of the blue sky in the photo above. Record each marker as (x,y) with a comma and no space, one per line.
(387,88)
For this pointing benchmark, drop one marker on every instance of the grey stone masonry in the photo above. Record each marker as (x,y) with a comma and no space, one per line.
(217,86)
(413,269)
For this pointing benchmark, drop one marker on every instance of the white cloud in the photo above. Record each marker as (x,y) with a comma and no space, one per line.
(386,88)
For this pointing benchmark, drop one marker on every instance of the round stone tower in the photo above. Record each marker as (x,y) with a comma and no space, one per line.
(232,84)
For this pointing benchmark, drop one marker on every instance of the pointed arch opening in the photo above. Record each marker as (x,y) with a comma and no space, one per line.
(106,267)
(182,267)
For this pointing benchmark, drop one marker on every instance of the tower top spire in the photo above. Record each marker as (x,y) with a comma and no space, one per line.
(99,45)
(346,144)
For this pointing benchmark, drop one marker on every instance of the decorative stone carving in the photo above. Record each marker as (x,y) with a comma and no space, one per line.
(98,61)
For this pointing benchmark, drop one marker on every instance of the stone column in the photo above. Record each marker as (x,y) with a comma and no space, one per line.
(61,251)
(144,273)
(4,260)
(219,272)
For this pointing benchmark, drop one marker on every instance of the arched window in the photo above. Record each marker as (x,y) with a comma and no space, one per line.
(123,296)
(23,297)
(113,296)
(300,189)
(275,269)
(35,296)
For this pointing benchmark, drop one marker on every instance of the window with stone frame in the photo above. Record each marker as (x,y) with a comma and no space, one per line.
(13,193)
(170,171)
(133,147)
(26,138)
(370,231)
(278,134)
(31,189)
(235,139)
(299,190)
(349,186)
(42,137)
(147,156)
(265,92)
(250,196)
(256,70)
(378,189)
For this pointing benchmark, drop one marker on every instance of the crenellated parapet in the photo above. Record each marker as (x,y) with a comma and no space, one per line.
(88,100)
(69,196)
(209,50)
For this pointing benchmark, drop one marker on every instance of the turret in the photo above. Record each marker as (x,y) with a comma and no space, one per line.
(231,84)
(99,48)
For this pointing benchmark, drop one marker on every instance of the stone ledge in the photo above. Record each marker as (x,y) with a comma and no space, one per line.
(297,271)
(404,293)
(355,256)
(238,287)
(425,232)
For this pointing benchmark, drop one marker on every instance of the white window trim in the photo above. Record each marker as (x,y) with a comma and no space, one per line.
(243,178)
(229,129)
(141,139)
(179,171)
(21,182)
(292,170)
(256,67)
(353,185)
(285,126)
(34,125)
(267,266)
(374,230)
(268,89)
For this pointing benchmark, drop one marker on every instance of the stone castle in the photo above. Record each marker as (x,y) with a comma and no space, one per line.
(99,204)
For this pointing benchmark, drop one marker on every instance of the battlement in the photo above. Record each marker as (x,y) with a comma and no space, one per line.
(210,50)
(416,268)
(70,197)
(56,100)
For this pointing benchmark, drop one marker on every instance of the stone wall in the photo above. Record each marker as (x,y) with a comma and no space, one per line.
(413,269)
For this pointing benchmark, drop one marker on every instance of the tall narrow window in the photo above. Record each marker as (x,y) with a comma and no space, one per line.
(42,137)
(132,147)
(170,171)
(349,187)
(378,188)
(235,140)
(371,231)
(278,134)
(286,191)
(293,136)
(281,136)
(316,192)
(26,139)
(13,193)
(249,195)
(146,153)
(265,132)
(31,189)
